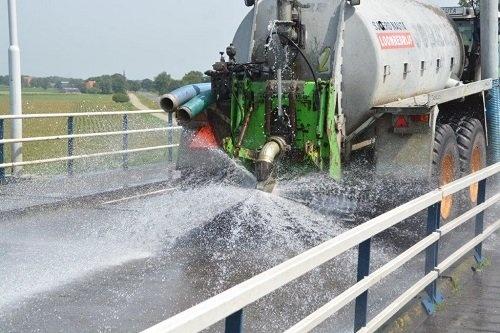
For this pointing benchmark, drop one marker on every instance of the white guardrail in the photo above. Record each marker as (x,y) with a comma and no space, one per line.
(229,304)
(70,137)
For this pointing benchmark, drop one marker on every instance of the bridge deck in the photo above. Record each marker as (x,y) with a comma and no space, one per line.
(32,192)
(476,305)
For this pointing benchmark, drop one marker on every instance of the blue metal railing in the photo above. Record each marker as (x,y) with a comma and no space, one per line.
(170,123)
(431,258)
(71,138)
(229,305)
(2,151)
(361,304)
(479,225)
(234,322)
(125,142)
(71,144)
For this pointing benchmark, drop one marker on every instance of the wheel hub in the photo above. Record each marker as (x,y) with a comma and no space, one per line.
(447,176)
(475,165)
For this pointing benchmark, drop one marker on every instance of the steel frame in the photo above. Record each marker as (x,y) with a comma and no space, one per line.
(438,97)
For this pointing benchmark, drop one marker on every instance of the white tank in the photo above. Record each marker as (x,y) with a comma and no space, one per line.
(393,49)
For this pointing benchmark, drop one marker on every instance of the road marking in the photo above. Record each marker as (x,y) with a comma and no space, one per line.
(139,196)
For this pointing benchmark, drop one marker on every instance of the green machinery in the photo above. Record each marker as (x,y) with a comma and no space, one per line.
(308,83)
(307,123)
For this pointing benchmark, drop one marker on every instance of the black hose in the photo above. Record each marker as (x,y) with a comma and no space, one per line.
(308,64)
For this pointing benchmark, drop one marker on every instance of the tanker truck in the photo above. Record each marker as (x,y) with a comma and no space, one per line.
(311,82)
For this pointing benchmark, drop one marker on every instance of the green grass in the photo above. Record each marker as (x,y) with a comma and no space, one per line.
(35,102)
(4,90)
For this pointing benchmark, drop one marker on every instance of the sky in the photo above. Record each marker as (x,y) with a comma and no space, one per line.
(83,38)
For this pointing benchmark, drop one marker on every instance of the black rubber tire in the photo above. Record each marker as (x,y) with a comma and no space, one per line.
(471,140)
(445,151)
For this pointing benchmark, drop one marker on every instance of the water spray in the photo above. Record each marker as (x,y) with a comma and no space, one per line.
(280,94)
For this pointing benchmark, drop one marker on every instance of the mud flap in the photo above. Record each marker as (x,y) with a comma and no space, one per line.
(403,156)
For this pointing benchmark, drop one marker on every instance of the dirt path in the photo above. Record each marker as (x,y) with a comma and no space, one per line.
(137,103)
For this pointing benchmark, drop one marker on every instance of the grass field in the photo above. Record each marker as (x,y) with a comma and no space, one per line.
(52,102)
(148,100)
(4,90)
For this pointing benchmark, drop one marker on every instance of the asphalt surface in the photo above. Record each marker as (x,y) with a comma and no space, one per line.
(126,262)
(475,306)
(32,192)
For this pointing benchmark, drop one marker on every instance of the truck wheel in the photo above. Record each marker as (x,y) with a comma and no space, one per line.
(472,150)
(445,164)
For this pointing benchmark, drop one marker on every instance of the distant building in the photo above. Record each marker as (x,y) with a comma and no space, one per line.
(70,90)
(65,87)
(89,84)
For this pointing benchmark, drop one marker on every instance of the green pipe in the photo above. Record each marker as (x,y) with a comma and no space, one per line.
(195,106)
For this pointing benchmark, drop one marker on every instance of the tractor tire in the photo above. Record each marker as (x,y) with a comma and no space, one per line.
(472,151)
(445,165)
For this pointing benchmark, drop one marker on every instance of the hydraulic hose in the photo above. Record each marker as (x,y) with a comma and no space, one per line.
(308,65)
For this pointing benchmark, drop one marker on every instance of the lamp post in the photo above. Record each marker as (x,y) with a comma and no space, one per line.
(15,88)
(489,39)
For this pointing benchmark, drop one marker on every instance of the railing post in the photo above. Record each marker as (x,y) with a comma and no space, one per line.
(125,142)
(481,197)
(71,144)
(234,323)
(431,259)
(361,306)
(170,136)
(2,156)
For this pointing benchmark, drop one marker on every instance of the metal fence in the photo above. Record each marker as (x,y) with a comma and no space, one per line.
(71,138)
(229,305)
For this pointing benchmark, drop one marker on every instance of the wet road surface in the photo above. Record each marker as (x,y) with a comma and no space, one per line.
(475,307)
(129,263)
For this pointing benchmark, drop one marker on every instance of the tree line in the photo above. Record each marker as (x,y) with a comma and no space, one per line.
(43,82)
(112,84)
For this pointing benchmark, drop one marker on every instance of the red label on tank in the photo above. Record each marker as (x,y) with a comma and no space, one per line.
(395,40)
